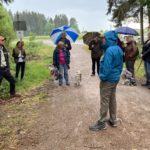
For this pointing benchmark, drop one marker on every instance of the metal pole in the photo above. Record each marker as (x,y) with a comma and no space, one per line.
(18,26)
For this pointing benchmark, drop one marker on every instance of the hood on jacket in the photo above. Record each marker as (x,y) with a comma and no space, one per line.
(111,38)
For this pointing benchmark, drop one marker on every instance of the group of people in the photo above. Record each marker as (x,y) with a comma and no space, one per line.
(19,56)
(115,54)
(109,68)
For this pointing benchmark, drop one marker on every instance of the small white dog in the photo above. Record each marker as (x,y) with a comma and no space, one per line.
(78,78)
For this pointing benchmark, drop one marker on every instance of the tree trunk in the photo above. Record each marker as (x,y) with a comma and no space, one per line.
(142,25)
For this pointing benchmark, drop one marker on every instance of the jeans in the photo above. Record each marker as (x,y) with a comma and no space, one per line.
(94,62)
(5,73)
(20,65)
(147,70)
(108,101)
(130,66)
(63,70)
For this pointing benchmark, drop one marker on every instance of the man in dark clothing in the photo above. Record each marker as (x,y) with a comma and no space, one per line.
(65,41)
(96,53)
(4,67)
(146,58)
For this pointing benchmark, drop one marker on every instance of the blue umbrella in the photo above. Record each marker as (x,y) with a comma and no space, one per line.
(72,35)
(126,31)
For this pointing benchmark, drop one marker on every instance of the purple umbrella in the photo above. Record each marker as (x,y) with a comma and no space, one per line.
(127,31)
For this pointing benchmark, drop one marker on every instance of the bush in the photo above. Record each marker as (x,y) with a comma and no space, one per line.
(6,25)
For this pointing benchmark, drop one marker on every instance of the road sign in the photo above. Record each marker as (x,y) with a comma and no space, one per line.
(20,35)
(20,25)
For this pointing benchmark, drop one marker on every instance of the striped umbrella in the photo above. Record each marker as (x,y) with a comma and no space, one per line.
(72,35)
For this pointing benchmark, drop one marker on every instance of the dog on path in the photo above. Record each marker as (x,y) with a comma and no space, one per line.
(78,78)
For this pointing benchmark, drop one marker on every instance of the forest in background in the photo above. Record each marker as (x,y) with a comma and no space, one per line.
(39,24)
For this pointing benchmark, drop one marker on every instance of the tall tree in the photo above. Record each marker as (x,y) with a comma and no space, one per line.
(5,1)
(6,25)
(60,20)
(122,10)
(74,24)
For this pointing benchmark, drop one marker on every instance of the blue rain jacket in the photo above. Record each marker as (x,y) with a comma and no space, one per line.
(112,62)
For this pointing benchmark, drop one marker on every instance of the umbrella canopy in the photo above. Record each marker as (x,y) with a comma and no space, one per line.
(72,35)
(127,31)
(89,36)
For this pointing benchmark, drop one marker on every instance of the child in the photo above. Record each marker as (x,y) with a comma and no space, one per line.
(61,60)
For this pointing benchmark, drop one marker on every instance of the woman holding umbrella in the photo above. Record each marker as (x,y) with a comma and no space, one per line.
(131,53)
(131,50)
(65,41)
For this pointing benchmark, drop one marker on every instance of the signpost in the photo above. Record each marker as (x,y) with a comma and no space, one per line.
(20,27)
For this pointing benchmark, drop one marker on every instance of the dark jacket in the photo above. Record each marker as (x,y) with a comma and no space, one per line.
(66,42)
(131,51)
(56,57)
(96,50)
(146,51)
(6,55)
(15,54)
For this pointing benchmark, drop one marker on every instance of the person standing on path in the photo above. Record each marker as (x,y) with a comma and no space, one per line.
(96,53)
(110,70)
(146,58)
(131,53)
(61,60)
(66,42)
(19,55)
(5,69)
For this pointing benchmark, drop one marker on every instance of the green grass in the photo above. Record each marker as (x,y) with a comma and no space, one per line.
(16,119)
(80,37)
(36,70)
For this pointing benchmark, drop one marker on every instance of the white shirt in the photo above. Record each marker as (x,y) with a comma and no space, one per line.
(20,57)
(3,61)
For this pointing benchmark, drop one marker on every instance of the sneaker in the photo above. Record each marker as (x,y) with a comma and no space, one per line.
(92,74)
(68,84)
(98,126)
(114,125)
(60,84)
(15,95)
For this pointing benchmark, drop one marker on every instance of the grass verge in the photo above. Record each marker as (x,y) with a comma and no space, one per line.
(36,68)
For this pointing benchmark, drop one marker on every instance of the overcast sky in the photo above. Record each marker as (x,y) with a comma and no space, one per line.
(90,14)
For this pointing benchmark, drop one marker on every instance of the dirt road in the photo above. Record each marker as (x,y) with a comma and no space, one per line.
(65,116)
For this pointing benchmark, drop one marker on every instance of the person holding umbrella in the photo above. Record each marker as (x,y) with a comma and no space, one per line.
(131,53)
(5,69)
(96,53)
(65,41)
(66,34)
